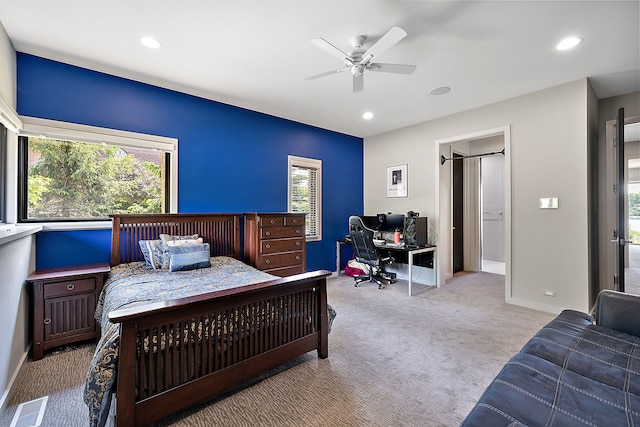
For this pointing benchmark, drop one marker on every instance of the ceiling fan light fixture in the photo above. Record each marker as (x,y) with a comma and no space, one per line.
(568,43)
(150,42)
(357,70)
(368,115)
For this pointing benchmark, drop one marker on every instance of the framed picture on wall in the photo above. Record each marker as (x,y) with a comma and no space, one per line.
(397,181)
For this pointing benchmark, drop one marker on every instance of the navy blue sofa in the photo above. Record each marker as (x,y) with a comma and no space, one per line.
(572,372)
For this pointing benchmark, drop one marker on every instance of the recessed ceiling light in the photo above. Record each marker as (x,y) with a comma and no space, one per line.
(568,43)
(440,90)
(368,115)
(150,42)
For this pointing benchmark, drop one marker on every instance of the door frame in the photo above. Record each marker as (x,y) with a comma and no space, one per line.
(443,210)
(611,208)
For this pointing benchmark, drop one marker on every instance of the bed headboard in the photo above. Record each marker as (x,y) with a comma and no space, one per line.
(221,231)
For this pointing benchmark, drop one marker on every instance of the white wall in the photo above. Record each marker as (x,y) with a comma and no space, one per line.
(8,79)
(17,258)
(548,159)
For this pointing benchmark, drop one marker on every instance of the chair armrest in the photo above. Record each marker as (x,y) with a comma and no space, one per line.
(619,311)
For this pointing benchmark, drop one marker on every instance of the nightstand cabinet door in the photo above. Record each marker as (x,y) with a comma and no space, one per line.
(276,243)
(71,315)
(64,303)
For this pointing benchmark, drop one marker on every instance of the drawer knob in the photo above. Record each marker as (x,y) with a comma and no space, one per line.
(268,261)
(297,243)
(298,231)
(71,287)
(268,233)
(47,320)
(273,221)
(297,258)
(268,246)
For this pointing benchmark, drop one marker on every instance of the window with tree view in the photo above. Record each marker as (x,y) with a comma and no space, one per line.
(305,193)
(71,180)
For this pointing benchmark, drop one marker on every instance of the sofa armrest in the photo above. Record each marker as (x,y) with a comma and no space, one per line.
(619,311)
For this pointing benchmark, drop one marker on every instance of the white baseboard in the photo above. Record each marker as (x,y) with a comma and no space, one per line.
(553,309)
(8,393)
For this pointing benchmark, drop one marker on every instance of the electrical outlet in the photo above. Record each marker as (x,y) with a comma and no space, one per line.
(549,292)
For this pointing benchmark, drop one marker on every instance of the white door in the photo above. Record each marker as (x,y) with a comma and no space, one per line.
(492,182)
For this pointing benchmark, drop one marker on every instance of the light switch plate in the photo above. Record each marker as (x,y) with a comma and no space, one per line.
(548,203)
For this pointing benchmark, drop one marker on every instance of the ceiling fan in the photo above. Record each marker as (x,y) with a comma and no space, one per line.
(358,62)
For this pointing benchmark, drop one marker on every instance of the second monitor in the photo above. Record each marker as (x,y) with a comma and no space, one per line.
(391,222)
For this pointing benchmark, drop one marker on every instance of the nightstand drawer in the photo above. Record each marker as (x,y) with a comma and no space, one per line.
(281,245)
(68,287)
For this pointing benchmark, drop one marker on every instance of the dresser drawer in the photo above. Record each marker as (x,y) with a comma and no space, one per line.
(281,260)
(292,221)
(68,287)
(278,233)
(272,221)
(281,245)
(286,271)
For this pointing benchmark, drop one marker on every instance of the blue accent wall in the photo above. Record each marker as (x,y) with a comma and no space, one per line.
(230,159)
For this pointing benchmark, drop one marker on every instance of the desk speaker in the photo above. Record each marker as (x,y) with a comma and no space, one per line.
(415,230)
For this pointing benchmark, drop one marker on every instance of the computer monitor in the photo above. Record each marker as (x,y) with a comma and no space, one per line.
(370,222)
(392,222)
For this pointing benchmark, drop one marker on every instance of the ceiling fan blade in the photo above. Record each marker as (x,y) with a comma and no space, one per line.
(392,68)
(331,49)
(392,37)
(358,83)
(328,73)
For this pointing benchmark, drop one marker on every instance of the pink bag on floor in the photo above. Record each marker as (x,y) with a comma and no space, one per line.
(355,268)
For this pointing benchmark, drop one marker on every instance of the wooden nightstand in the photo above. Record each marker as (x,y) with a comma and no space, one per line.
(64,301)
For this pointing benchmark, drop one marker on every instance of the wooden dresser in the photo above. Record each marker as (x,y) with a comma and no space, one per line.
(275,242)
(64,301)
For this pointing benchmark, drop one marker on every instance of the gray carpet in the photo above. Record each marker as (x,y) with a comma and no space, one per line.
(393,360)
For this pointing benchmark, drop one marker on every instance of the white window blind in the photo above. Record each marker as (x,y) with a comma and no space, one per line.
(305,195)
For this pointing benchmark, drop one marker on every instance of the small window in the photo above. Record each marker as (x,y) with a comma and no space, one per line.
(305,193)
(79,179)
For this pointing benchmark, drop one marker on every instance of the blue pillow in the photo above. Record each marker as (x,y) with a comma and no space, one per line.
(152,251)
(189,257)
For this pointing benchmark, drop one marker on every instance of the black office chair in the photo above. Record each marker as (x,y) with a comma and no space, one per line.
(366,252)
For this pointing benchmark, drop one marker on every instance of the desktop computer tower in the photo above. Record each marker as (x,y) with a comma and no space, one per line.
(415,230)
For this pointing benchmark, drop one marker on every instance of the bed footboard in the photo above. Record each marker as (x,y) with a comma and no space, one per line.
(178,353)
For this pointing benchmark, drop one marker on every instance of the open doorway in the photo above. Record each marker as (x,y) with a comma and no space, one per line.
(480,228)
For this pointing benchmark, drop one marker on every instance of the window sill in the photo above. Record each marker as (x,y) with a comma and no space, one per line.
(62,226)
(11,232)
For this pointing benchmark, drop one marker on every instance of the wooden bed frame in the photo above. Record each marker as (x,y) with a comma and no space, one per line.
(207,345)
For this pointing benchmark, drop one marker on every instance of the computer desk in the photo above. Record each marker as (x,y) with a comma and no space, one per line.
(410,251)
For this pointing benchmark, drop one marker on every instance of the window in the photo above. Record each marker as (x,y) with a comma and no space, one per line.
(80,173)
(305,193)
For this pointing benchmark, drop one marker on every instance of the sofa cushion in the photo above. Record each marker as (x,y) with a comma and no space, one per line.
(536,392)
(605,355)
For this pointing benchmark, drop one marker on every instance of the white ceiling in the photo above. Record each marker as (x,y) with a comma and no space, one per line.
(256,54)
